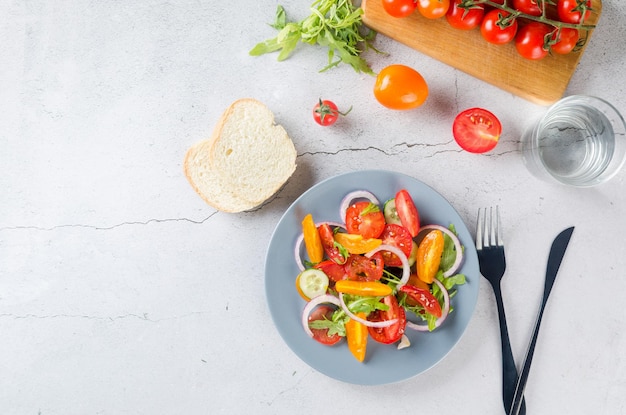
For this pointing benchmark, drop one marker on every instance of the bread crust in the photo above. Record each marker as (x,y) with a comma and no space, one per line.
(263,158)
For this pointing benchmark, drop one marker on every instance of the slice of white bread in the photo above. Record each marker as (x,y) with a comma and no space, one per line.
(246,161)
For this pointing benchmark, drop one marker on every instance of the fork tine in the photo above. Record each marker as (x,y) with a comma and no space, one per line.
(486,225)
(492,228)
(479,229)
(499,240)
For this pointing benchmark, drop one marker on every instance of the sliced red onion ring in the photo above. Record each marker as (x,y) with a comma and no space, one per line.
(358,194)
(296,252)
(379,324)
(406,269)
(444,312)
(333,224)
(308,308)
(457,246)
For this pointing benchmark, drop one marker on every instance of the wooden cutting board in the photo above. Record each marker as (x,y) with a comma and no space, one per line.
(542,82)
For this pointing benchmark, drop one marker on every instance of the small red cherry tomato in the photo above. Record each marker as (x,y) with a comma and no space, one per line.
(335,271)
(326,113)
(365,218)
(533,40)
(393,333)
(398,236)
(476,130)
(423,297)
(498,27)
(531,7)
(399,8)
(362,268)
(323,312)
(407,212)
(464,19)
(570,11)
(565,40)
(328,243)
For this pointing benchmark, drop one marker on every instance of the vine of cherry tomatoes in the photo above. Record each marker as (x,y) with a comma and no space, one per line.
(536,27)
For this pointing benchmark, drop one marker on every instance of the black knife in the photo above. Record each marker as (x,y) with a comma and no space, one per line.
(554,262)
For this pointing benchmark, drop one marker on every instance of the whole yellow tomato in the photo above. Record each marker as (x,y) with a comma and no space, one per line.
(400,87)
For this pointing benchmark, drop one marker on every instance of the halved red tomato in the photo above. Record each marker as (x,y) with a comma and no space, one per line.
(476,130)
(393,333)
(328,242)
(398,236)
(366,219)
(423,297)
(334,271)
(407,212)
(321,335)
(362,268)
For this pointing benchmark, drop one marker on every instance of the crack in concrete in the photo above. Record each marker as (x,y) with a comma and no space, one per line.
(143,317)
(101,228)
(388,153)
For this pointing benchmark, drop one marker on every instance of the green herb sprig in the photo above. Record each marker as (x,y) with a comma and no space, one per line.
(334,24)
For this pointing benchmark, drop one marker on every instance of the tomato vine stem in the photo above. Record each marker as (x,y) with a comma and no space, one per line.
(543,18)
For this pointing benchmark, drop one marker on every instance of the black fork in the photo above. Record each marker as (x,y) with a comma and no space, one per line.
(490,249)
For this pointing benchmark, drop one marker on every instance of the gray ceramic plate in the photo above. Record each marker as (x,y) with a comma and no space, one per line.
(383,363)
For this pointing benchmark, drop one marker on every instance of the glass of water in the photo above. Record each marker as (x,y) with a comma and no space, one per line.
(580,141)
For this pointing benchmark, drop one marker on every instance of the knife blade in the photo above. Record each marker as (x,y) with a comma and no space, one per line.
(557,251)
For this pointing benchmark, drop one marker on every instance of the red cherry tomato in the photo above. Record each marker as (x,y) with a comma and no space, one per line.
(398,236)
(476,130)
(365,219)
(433,9)
(530,7)
(399,8)
(571,11)
(400,87)
(565,40)
(407,212)
(326,113)
(532,40)
(328,243)
(362,268)
(464,19)
(423,297)
(393,333)
(321,335)
(334,271)
(498,27)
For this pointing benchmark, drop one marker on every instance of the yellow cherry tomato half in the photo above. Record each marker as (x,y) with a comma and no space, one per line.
(356,335)
(400,87)
(312,240)
(363,288)
(356,244)
(429,252)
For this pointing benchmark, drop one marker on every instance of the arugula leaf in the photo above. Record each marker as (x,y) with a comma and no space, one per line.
(337,325)
(334,24)
(449,253)
(370,208)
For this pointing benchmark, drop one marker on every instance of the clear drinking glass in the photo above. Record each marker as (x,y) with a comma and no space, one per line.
(580,141)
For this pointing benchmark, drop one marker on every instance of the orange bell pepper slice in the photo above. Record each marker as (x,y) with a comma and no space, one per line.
(429,252)
(363,288)
(312,240)
(356,336)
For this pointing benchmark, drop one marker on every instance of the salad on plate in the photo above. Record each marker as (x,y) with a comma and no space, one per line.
(377,274)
